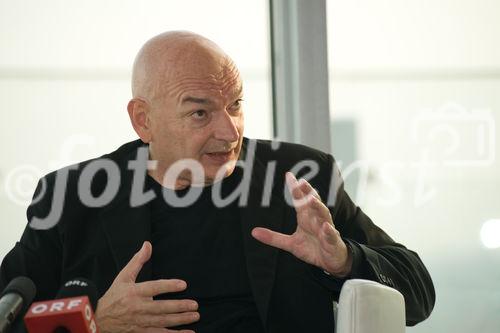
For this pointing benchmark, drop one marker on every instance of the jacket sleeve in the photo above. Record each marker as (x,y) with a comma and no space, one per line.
(376,256)
(37,255)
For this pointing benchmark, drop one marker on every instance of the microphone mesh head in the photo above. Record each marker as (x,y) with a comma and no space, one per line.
(79,287)
(24,287)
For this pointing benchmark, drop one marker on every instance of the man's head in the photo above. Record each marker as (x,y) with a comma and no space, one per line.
(187,103)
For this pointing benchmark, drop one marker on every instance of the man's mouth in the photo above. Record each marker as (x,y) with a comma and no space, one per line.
(220,156)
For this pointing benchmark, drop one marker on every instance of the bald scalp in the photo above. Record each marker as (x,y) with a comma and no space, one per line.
(162,58)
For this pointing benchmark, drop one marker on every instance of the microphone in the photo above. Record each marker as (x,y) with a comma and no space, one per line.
(70,312)
(15,299)
(79,287)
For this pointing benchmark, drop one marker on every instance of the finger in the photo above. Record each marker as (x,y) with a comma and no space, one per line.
(157,287)
(298,197)
(317,203)
(307,189)
(311,209)
(273,238)
(131,270)
(299,186)
(169,320)
(170,306)
(293,185)
(322,212)
(325,245)
(329,234)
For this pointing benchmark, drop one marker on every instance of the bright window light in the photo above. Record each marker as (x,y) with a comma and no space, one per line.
(490,234)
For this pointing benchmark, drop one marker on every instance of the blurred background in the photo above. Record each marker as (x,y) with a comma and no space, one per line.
(413,102)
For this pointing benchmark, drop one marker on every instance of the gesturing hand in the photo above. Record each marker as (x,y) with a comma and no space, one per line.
(315,241)
(128,306)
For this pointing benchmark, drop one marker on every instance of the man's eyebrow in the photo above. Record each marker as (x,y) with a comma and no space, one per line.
(197,100)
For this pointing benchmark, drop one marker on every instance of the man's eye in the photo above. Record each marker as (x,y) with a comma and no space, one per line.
(237,105)
(199,114)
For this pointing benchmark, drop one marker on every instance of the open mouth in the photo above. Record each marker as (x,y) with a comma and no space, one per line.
(220,157)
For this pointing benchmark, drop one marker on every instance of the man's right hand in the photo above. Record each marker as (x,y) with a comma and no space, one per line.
(128,306)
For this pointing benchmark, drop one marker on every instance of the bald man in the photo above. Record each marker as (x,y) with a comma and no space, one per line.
(185,86)
(206,230)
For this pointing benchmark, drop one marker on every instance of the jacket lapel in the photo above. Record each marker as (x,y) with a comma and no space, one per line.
(260,258)
(127,227)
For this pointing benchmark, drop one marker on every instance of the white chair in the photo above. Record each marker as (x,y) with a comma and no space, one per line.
(369,307)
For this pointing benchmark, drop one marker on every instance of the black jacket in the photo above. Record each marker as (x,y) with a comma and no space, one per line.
(291,296)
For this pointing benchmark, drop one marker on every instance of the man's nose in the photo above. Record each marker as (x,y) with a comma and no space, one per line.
(226,129)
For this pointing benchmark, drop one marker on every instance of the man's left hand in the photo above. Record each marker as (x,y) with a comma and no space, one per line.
(315,241)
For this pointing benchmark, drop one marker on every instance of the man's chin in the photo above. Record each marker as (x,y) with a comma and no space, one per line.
(214,173)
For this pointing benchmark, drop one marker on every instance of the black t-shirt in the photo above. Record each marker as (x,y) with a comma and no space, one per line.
(203,245)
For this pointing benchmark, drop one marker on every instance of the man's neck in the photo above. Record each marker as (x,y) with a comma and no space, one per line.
(174,184)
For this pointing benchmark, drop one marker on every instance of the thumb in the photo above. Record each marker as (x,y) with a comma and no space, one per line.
(131,270)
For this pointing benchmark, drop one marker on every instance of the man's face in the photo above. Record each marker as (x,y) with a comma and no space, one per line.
(198,115)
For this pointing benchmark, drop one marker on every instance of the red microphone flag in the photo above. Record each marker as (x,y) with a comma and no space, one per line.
(74,314)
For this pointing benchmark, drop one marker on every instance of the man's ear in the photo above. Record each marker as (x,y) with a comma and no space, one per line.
(138,111)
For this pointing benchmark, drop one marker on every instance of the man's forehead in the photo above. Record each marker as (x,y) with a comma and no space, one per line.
(226,83)
(207,96)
